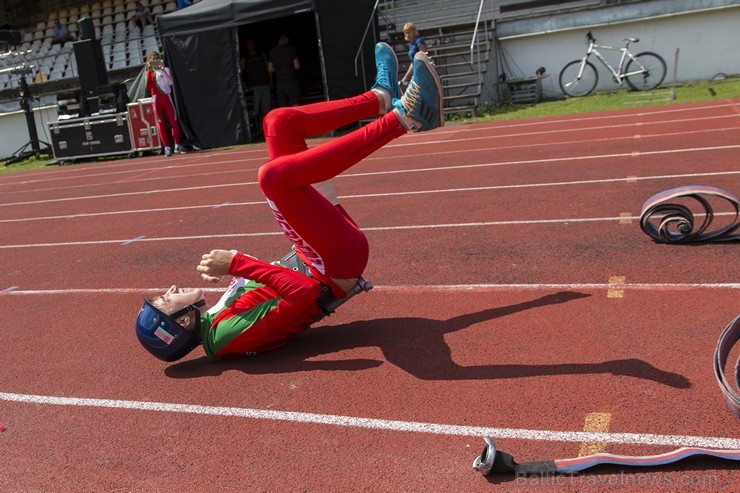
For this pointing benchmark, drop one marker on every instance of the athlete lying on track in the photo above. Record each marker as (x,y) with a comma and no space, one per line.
(266,304)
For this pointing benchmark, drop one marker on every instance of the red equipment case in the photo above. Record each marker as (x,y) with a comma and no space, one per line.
(142,125)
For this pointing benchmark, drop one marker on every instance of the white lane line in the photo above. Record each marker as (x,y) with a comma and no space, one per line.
(415,288)
(386,156)
(391,172)
(381,156)
(138,180)
(377,228)
(493,126)
(581,118)
(210,164)
(381,424)
(629,179)
(136,211)
(554,131)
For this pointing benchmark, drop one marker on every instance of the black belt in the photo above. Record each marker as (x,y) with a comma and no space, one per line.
(326,300)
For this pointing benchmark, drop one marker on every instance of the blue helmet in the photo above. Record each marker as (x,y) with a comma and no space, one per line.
(162,336)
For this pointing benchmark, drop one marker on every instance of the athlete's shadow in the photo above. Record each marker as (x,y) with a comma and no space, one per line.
(417,346)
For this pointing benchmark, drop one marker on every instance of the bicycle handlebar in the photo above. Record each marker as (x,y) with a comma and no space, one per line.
(590,37)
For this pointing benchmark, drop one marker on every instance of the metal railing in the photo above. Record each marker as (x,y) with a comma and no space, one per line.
(359,54)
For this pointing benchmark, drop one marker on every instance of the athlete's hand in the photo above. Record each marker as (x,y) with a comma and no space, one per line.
(214,265)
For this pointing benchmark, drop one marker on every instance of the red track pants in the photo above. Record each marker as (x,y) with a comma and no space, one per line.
(324,233)
(163,109)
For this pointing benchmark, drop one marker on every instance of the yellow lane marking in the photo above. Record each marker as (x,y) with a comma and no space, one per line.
(599,423)
(613,290)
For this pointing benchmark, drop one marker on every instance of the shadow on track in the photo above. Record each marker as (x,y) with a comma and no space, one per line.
(417,346)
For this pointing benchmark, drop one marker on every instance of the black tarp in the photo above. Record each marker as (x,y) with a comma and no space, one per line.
(201,45)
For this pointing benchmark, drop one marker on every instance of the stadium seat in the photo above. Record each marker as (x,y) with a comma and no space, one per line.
(150,44)
(121,31)
(134,53)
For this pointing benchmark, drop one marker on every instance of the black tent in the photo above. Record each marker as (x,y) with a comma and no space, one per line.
(201,45)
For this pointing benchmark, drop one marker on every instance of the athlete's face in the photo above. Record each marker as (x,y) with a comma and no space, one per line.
(177,298)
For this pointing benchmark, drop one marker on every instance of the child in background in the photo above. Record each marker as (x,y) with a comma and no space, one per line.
(159,82)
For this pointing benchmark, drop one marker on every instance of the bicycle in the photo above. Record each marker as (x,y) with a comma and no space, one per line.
(642,72)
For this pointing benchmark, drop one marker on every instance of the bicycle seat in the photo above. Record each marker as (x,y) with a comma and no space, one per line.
(632,40)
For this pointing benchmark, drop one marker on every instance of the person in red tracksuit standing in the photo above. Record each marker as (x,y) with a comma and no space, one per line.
(159,82)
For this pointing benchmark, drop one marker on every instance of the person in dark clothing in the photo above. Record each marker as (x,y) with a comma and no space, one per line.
(284,63)
(257,79)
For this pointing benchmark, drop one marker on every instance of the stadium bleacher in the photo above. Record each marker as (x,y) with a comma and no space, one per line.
(125,45)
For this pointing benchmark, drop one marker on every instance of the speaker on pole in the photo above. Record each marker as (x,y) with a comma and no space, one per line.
(90,64)
(86,28)
(90,67)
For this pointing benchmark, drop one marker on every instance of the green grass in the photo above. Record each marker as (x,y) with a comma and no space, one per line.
(686,93)
(616,100)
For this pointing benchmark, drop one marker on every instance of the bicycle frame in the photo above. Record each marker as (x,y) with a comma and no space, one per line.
(618,74)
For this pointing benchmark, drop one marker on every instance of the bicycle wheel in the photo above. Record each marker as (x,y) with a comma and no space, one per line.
(651,77)
(574,86)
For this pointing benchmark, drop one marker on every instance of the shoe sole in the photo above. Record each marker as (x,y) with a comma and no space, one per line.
(423,57)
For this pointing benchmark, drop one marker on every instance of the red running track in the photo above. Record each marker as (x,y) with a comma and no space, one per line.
(515,297)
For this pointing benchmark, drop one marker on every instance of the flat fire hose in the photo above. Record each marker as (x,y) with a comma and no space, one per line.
(667,221)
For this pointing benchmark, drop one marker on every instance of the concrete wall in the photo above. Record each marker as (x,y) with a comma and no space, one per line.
(14,130)
(708,43)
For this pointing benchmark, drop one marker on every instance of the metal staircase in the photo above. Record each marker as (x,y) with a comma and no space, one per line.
(458,36)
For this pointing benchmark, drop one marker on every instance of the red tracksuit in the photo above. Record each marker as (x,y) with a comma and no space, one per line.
(163,107)
(325,236)
(278,303)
